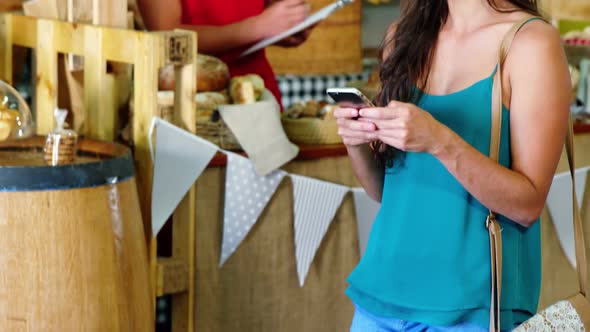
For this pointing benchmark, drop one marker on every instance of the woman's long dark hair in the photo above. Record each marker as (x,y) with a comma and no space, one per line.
(412,51)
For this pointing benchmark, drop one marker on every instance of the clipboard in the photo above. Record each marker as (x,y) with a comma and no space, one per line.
(309,21)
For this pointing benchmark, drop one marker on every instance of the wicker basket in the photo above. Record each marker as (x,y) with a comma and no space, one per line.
(312,131)
(166,105)
(216,131)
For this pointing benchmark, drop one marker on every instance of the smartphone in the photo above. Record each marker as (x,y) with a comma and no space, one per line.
(350,97)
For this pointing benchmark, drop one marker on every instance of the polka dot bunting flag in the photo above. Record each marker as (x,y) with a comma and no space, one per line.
(246,196)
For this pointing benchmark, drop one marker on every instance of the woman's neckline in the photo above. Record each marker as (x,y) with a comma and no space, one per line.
(460,91)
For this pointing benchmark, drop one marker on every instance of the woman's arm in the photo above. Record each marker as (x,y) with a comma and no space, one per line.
(166,15)
(539,109)
(356,134)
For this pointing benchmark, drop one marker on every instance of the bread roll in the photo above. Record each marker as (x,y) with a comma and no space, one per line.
(8,122)
(257,82)
(242,92)
(210,100)
(166,81)
(246,89)
(295,111)
(212,75)
(311,109)
(5,130)
(327,112)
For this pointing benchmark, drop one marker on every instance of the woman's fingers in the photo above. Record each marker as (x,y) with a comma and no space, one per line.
(356,125)
(354,132)
(346,113)
(364,137)
(393,110)
(397,123)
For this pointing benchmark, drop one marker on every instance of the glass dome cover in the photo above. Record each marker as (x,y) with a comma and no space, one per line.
(16,120)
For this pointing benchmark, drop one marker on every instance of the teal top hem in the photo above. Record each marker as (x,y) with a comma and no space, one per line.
(510,318)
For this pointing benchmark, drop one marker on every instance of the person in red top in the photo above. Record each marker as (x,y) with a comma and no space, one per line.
(227,27)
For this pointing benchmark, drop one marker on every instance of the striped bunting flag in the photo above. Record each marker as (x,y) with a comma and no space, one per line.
(315,204)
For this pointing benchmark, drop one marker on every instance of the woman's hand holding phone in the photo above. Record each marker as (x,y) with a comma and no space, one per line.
(353,129)
(354,132)
(407,127)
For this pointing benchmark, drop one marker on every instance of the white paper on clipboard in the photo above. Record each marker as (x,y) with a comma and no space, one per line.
(309,21)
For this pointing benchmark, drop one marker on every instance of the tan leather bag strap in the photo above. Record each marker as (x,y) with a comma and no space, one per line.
(492,225)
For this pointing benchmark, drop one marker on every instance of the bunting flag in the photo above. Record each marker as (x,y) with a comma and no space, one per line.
(179,159)
(246,196)
(559,202)
(315,204)
(366,210)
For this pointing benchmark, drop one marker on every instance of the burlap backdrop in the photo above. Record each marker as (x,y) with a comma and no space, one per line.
(559,278)
(257,289)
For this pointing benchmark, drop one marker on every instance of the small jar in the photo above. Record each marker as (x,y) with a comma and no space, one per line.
(61,143)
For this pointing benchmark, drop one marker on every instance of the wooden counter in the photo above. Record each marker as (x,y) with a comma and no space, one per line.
(257,288)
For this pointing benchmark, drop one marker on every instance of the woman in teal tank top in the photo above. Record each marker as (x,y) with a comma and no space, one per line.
(423,155)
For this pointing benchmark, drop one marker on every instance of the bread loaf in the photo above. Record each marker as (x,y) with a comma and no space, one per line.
(212,75)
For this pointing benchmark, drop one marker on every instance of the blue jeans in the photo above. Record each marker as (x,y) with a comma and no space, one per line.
(364,321)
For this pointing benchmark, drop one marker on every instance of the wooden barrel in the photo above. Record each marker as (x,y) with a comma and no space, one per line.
(72,248)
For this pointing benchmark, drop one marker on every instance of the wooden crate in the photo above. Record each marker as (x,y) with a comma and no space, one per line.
(147,52)
(334,46)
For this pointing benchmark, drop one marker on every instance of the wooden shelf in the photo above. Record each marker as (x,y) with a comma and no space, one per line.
(306,152)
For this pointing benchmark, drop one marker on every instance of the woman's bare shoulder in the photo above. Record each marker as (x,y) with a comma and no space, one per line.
(535,37)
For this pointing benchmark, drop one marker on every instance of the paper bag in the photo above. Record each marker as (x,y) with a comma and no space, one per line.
(259,130)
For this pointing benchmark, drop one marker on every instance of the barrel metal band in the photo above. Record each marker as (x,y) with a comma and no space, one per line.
(42,178)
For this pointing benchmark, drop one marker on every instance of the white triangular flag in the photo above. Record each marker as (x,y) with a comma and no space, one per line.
(559,202)
(179,159)
(366,210)
(246,196)
(315,204)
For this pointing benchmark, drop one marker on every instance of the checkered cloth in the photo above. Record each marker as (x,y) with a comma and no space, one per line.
(295,88)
